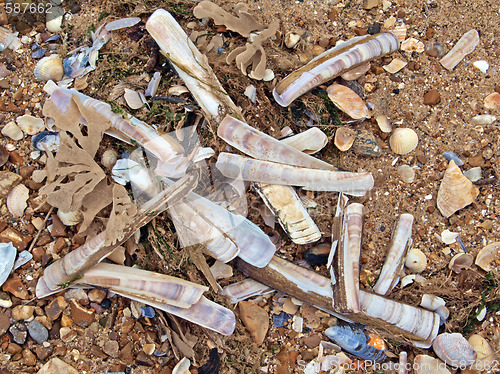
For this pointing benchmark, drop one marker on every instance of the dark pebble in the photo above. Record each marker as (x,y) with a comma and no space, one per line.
(395,91)
(382,228)
(279,320)
(106,303)
(317,255)
(373,29)
(74,8)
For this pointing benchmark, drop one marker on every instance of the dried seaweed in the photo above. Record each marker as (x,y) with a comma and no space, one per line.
(123,210)
(244,23)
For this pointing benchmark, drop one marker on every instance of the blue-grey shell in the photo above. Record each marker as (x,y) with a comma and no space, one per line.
(7,257)
(49,138)
(353,340)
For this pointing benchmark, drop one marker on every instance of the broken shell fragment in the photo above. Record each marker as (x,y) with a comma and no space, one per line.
(46,139)
(135,100)
(460,261)
(309,141)
(406,173)
(412,45)
(431,302)
(481,65)
(7,256)
(449,237)
(344,138)
(467,43)
(483,119)
(122,23)
(424,364)
(486,256)
(49,68)
(8,40)
(383,123)
(347,101)
(403,141)
(291,39)
(70,218)
(221,270)
(416,260)
(492,100)
(454,350)
(29,124)
(251,93)
(455,192)
(332,63)
(109,158)
(395,65)
(17,200)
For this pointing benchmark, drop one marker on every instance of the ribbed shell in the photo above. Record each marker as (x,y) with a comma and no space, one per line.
(486,256)
(455,192)
(347,101)
(454,349)
(17,200)
(49,68)
(403,141)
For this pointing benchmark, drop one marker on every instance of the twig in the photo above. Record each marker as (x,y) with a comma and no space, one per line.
(40,229)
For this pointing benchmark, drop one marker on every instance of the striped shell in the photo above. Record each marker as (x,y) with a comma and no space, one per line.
(403,141)
(416,261)
(344,138)
(486,355)
(347,101)
(49,68)
(332,63)
(455,192)
(454,349)
(486,256)
(17,200)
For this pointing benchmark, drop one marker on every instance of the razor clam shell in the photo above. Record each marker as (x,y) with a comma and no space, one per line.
(264,147)
(310,141)
(245,289)
(191,66)
(292,215)
(465,45)
(455,192)
(394,261)
(17,200)
(391,317)
(7,257)
(454,350)
(226,235)
(332,63)
(431,302)
(144,284)
(239,167)
(486,256)
(346,290)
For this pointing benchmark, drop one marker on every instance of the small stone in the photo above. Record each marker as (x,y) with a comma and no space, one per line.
(111,348)
(127,325)
(126,354)
(67,334)
(106,303)
(4,323)
(312,341)
(55,308)
(149,348)
(38,332)
(143,359)
(23,312)
(78,294)
(12,131)
(373,29)
(29,359)
(19,333)
(370,4)
(7,181)
(255,320)
(74,8)
(366,144)
(66,321)
(13,348)
(333,15)
(57,366)
(19,240)
(430,32)
(81,316)
(14,286)
(58,228)
(360,32)
(432,97)
(42,352)
(476,161)
(97,295)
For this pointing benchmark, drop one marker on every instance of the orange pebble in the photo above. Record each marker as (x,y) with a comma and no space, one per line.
(376,342)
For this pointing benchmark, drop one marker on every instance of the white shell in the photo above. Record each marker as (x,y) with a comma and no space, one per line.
(221,270)
(449,237)
(291,39)
(17,200)
(467,43)
(70,218)
(460,262)
(406,173)
(12,131)
(251,93)
(49,68)
(153,84)
(481,65)
(412,45)
(483,119)
(395,65)
(486,356)
(182,366)
(383,123)
(310,141)
(416,260)
(431,302)
(8,40)
(177,90)
(7,256)
(486,256)
(403,141)
(135,100)
(54,19)
(30,125)
(492,101)
(454,349)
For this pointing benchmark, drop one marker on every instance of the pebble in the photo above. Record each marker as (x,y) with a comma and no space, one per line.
(370,4)
(23,312)
(19,333)
(143,359)
(281,319)
(29,359)
(78,294)
(149,348)
(452,156)
(475,161)
(12,131)
(81,316)
(58,228)
(14,286)
(126,354)
(147,311)
(19,240)
(55,308)
(311,341)
(97,295)
(106,303)
(255,320)
(57,366)
(111,348)
(7,181)
(432,97)
(430,32)
(434,49)
(42,352)
(4,323)
(373,29)
(366,144)
(66,321)
(5,301)
(38,332)
(66,334)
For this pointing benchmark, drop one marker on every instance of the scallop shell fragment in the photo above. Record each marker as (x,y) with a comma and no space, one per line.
(486,256)
(455,192)
(344,138)
(416,260)
(30,125)
(403,141)
(49,68)
(17,200)
(454,350)
(347,101)
(467,43)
